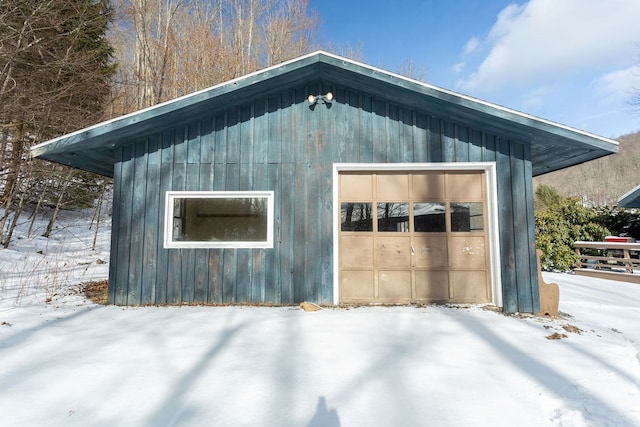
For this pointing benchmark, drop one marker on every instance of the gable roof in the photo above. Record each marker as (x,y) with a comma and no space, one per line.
(631,199)
(553,146)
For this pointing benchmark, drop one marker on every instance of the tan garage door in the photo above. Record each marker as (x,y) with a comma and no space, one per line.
(416,236)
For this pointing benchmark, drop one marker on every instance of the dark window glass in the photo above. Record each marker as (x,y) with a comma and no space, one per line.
(220,219)
(467,217)
(393,217)
(356,217)
(429,217)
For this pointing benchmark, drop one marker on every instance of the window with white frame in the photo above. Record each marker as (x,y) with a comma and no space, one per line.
(218,219)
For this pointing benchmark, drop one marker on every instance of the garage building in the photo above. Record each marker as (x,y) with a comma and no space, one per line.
(325,180)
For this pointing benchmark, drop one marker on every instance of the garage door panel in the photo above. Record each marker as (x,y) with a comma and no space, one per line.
(357,285)
(393,251)
(427,186)
(356,187)
(356,251)
(430,251)
(467,252)
(432,285)
(392,187)
(465,186)
(394,285)
(470,286)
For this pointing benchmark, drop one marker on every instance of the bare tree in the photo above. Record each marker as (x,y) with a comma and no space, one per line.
(169,48)
(288,31)
(55,72)
(410,69)
(354,52)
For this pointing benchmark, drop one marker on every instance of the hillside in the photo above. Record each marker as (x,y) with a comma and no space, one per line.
(602,181)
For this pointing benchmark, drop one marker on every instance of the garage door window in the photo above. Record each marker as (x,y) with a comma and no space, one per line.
(356,217)
(393,217)
(467,217)
(430,217)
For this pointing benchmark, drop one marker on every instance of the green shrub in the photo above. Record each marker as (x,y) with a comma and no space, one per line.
(558,225)
(620,221)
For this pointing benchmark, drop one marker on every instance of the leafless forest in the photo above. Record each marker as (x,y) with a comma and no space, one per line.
(603,181)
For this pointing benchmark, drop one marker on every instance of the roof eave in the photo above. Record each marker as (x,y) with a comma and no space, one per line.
(630,199)
(493,118)
(120,127)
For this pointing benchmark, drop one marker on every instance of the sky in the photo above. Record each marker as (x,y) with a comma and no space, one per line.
(575,62)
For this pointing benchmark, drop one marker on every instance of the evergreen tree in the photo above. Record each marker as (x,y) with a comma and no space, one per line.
(561,221)
(55,76)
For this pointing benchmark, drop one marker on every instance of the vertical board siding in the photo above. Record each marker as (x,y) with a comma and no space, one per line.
(522,267)
(114,266)
(232,140)
(435,140)
(202,280)
(364,130)
(178,177)
(475,145)
(272,258)
(246,135)
(124,227)
(283,144)
(273,132)
(463,143)
(286,125)
(260,133)
(448,140)
(136,256)
(379,131)
(299,241)
(395,144)
(207,141)
(166,184)
(193,143)
(151,222)
(531,234)
(347,136)
(287,209)
(507,227)
(420,138)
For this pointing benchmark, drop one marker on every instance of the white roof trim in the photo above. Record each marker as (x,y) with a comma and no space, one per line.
(339,58)
(470,98)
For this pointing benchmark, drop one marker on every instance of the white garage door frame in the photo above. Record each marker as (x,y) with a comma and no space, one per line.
(489,169)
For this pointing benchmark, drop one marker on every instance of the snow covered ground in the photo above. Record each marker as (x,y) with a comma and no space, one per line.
(65,361)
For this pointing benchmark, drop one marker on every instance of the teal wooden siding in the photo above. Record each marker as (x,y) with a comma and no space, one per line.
(280,143)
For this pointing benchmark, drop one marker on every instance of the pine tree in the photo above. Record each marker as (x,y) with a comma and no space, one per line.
(55,76)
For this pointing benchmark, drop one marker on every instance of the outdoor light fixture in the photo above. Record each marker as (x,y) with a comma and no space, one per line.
(325,99)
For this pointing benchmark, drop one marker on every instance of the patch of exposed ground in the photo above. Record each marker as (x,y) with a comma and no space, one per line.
(96,291)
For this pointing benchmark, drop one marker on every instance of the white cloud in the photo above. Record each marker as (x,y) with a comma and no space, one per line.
(544,39)
(536,98)
(472,45)
(618,86)
(458,67)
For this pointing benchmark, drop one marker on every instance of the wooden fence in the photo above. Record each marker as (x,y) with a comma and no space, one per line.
(608,260)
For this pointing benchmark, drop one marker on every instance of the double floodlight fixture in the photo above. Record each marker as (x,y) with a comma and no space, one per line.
(324,99)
